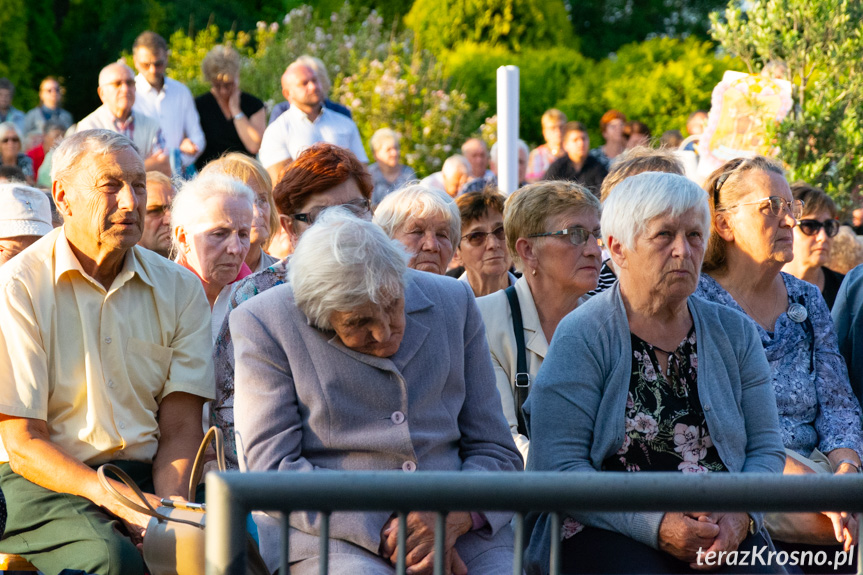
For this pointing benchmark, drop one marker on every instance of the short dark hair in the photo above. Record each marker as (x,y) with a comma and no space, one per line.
(12,173)
(6,84)
(151,41)
(573,127)
(814,199)
(319,168)
(475,205)
(636,127)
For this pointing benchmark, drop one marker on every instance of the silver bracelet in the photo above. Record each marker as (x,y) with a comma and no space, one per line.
(850,462)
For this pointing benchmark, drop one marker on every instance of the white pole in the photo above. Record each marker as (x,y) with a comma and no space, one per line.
(507,129)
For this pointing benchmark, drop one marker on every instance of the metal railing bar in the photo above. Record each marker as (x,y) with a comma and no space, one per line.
(439,540)
(554,555)
(518,545)
(402,543)
(324,540)
(284,521)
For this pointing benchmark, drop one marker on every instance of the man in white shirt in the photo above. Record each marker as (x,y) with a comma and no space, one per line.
(167,101)
(305,123)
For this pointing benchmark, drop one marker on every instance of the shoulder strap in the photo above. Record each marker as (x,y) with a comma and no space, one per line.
(522,377)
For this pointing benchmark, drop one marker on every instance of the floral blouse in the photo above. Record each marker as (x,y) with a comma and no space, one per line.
(222,410)
(665,425)
(817,408)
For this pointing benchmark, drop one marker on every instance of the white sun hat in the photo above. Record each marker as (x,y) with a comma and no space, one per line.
(24,211)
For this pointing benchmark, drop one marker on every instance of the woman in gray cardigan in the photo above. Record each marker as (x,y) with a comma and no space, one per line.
(644,377)
(359,363)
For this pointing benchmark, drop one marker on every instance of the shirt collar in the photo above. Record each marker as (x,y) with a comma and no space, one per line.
(65,262)
(295,111)
(143,85)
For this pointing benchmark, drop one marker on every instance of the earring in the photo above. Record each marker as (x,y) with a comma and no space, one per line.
(533,272)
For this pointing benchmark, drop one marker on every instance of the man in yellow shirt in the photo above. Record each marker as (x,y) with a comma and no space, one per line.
(104,356)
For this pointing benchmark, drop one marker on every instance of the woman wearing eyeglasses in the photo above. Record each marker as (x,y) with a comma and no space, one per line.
(754,214)
(482,249)
(552,232)
(322,176)
(10,150)
(813,241)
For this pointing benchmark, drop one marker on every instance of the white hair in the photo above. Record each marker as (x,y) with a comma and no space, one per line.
(520,145)
(417,201)
(638,199)
(7,127)
(186,207)
(103,73)
(454,164)
(343,262)
(69,153)
(379,137)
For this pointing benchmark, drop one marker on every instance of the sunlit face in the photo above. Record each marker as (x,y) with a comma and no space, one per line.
(216,242)
(577,144)
(490,257)
(755,231)
(157,221)
(453,182)
(572,269)
(49,94)
(260,215)
(302,87)
(5,99)
(104,202)
(388,153)
(477,155)
(11,247)
(667,257)
(371,328)
(117,90)
(10,146)
(428,241)
(813,251)
(52,138)
(347,191)
(151,65)
(552,132)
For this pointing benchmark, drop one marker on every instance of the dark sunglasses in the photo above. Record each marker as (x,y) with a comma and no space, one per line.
(477,239)
(812,227)
(7,140)
(576,235)
(359,207)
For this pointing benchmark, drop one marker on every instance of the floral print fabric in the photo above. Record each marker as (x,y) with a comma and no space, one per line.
(816,405)
(665,425)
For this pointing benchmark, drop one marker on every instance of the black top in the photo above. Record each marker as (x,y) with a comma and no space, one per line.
(665,425)
(607,277)
(832,281)
(220,132)
(591,175)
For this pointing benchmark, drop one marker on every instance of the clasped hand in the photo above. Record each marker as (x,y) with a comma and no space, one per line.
(683,535)
(419,553)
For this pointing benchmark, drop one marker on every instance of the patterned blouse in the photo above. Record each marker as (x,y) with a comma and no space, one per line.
(665,425)
(222,409)
(816,406)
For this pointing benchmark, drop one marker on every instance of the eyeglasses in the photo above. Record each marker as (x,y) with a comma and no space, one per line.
(576,235)
(7,140)
(812,227)
(778,204)
(477,239)
(359,207)
(118,83)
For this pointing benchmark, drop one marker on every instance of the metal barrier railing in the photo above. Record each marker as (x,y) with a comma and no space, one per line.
(231,496)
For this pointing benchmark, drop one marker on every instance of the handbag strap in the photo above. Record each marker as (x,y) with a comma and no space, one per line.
(522,377)
(146,508)
(214,435)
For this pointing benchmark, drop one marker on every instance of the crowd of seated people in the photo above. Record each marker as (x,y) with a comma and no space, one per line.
(609,315)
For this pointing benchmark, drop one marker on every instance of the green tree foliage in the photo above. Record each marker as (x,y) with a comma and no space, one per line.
(821,45)
(603,26)
(389,10)
(544,76)
(442,25)
(15,56)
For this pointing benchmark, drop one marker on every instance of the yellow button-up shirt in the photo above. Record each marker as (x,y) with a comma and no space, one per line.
(95,364)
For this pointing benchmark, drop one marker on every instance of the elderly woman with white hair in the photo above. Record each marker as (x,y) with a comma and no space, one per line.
(11,153)
(211,222)
(426,221)
(673,383)
(388,172)
(335,371)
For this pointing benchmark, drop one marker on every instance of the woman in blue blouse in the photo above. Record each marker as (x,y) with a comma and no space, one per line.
(754,213)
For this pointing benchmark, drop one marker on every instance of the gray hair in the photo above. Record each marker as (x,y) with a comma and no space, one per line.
(417,202)
(640,198)
(186,206)
(455,163)
(221,60)
(521,146)
(103,73)
(7,127)
(69,153)
(343,262)
(317,66)
(379,137)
